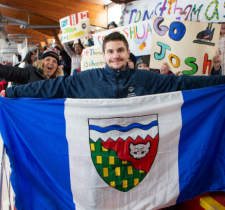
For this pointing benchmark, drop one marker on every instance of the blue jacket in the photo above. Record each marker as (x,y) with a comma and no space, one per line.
(108,83)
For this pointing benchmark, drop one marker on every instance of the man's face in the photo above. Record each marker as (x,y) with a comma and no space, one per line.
(116,55)
(78,49)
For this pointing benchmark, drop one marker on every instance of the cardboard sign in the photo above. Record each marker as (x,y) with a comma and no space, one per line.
(138,36)
(186,46)
(74,26)
(92,58)
(203,10)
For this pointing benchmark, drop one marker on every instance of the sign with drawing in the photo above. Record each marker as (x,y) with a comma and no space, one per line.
(186,46)
(203,10)
(138,36)
(75,26)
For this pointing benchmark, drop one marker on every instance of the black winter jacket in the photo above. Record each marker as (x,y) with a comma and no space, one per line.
(17,75)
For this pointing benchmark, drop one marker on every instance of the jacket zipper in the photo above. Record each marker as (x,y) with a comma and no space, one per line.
(118,93)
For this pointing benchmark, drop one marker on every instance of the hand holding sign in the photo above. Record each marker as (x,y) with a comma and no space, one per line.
(217,60)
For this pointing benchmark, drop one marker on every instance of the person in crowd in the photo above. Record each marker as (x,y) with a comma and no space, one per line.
(114,80)
(221,45)
(15,59)
(144,61)
(31,44)
(3,84)
(46,68)
(57,48)
(112,25)
(19,57)
(63,63)
(75,56)
(35,51)
(132,61)
(28,60)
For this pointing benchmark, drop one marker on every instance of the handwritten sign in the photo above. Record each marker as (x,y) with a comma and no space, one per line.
(74,26)
(203,10)
(92,58)
(186,46)
(138,36)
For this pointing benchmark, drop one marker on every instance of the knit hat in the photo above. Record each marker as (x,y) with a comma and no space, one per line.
(112,23)
(31,43)
(34,48)
(143,59)
(51,53)
(133,58)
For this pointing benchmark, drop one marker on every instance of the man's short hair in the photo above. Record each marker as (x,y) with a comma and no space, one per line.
(115,36)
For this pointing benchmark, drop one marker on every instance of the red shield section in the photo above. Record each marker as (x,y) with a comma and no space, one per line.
(122,149)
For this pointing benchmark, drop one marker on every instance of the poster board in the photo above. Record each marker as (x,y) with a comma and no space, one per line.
(203,10)
(138,36)
(92,58)
(186,46)
(75,26)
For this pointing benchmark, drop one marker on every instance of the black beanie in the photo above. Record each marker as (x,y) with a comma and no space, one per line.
(143,59)
(133,58)
(112,23)
(50,53)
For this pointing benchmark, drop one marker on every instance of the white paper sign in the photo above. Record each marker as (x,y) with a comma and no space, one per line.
(92,58)
(75,26)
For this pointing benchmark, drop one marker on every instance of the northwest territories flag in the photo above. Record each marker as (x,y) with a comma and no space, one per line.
(135,153)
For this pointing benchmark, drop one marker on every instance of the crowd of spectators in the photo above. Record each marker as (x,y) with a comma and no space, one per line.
(55,61)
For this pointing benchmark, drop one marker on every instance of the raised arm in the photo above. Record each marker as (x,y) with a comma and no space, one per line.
(74,86)
(68,50)
(157,83)
(14,74)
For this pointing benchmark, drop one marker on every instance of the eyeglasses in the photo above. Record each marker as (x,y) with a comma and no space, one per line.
(35,51)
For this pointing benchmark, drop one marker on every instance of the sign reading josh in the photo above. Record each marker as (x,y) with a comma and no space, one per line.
(123,149)
(74,26)
(186,46)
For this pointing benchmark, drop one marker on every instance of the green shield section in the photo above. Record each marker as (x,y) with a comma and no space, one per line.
(115,172)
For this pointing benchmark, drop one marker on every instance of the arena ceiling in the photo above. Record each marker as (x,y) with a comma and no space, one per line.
(42,17)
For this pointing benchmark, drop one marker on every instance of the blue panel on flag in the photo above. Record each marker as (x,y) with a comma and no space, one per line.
(34,134)
(202,142)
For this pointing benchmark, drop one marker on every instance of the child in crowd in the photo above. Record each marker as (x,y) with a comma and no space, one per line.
(143,63)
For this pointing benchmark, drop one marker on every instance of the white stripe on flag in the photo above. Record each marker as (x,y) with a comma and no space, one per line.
(161,184)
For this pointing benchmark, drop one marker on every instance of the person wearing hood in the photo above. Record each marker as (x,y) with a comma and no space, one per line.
(46,68)
(132,61)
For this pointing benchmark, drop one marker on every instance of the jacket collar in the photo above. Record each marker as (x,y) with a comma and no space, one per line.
(117,73)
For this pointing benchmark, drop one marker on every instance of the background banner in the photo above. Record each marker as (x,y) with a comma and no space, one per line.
(74,26)
(205,11)
(92,58)
(186,46)
(138,35)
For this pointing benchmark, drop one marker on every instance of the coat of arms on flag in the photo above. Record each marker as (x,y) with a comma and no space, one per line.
(123,149)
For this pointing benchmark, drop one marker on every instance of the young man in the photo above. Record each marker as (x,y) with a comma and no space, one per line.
(116,80)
